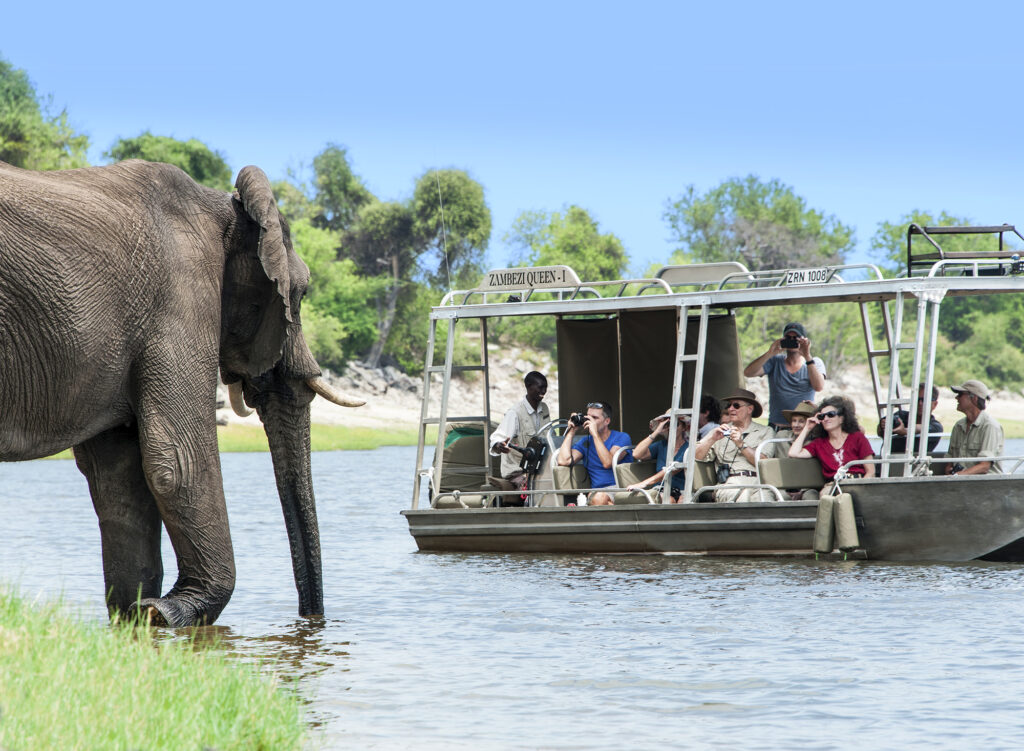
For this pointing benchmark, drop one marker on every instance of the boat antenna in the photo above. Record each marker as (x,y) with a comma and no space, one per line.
(444,234)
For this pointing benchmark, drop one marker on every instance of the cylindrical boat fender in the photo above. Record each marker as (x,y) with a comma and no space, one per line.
(846,523)
(824,531)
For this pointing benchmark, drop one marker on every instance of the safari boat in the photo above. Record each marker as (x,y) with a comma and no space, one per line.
(648,343)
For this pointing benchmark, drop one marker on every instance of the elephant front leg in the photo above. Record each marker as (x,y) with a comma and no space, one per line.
(183,472)
(128,517)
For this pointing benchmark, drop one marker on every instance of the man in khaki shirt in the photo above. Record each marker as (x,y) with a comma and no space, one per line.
(976,435)
(733,444)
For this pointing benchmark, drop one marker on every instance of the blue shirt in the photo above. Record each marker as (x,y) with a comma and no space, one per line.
(601,476)
(659,449)
(785,389)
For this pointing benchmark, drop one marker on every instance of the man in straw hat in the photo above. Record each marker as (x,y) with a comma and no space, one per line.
(976,435)
(733,443)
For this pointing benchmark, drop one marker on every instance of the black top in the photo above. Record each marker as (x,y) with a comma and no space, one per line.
(899,442)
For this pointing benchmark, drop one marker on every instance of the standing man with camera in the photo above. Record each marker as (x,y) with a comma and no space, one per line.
(521,423)
(595,449)
(793,377)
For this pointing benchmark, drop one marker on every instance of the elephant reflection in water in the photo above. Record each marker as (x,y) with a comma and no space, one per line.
(124,290)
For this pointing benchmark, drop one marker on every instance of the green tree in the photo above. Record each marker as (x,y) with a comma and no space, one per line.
(397,238)
(572,238)
(763,225)
(30,136)
(343,325)
(452,222)
(202,163)
(338,193)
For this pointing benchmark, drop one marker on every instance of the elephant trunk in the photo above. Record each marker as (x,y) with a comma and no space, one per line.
(287,426)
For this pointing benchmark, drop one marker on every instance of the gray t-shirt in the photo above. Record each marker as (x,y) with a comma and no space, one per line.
(785,389)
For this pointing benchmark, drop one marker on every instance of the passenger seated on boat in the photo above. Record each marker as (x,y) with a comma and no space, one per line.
(521,423)
(710,415)
(733,443)
(835,439)
(793,375)
(976,435)
(902,417)
(655,446)
(594,449)
(797,418)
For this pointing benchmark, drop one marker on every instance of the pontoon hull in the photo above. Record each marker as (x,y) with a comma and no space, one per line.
(901,519)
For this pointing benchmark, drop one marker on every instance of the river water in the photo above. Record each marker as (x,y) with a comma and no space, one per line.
(455,651)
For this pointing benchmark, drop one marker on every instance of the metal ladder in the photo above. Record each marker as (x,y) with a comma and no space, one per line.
(677,386)
(927,312)
(433,471)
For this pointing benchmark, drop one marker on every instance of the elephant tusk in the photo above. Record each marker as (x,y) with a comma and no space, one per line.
(319,385)
(238,400)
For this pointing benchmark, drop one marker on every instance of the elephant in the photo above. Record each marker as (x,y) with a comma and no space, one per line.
(125,291)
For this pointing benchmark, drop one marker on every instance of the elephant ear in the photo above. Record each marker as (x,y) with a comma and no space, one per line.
(258,200)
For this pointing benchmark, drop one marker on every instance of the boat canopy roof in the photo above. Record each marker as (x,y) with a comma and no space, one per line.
(558,290)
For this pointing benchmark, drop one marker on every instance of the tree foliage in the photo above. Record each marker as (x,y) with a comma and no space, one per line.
(344,326)
(338,193)
(30,136)
(199,161)
(451,221)
(572,238)
(760,224)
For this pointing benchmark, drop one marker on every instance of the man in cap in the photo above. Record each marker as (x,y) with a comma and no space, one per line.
(733,443)
(793,375)
(976,434)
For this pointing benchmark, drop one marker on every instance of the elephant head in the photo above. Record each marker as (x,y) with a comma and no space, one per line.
(267,364)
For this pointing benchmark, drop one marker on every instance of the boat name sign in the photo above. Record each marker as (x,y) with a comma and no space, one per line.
(537,277)
(807,276)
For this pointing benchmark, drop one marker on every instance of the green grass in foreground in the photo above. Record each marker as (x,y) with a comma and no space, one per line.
(73,685)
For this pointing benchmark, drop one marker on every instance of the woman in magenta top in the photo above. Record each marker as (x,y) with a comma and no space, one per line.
(836,438)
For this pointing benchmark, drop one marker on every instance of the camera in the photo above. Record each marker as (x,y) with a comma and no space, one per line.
(578,418)
(790,342)
(726,431)
(958,467)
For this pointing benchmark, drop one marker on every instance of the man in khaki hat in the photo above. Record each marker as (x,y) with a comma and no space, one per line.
(976,435)
(733,443)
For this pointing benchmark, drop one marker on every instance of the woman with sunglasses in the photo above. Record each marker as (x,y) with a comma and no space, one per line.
(836,438)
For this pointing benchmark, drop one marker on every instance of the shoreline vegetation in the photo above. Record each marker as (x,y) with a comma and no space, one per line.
(74,684)
(235,438)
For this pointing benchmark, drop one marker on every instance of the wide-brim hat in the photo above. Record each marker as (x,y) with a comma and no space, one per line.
(805,408)
(973,387)
(747,396)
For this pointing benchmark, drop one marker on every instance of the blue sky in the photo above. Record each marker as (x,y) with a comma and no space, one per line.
(868,111)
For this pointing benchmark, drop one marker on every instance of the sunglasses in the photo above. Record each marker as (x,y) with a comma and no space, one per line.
(596,405)
(736,405)
(826,415)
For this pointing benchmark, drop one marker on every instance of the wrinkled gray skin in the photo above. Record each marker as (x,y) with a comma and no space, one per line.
(123,290)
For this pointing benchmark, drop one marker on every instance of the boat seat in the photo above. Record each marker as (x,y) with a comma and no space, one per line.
(788,473)
(571,478)
(628,474)
(466,500)
(703,476)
